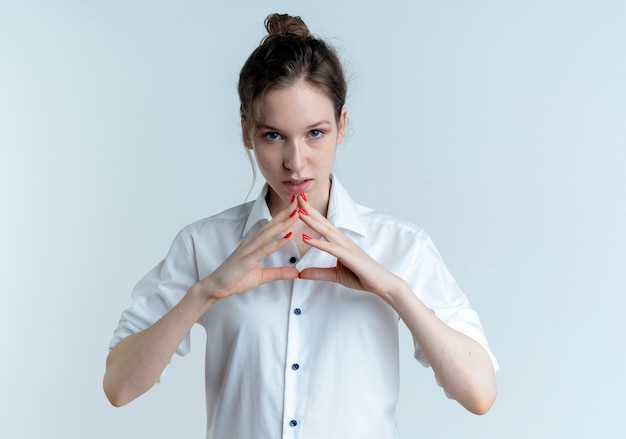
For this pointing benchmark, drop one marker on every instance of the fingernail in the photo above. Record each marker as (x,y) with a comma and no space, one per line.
(303,196)
(288,235)
(292,214)
(305,237)
(302,211)
(293,197)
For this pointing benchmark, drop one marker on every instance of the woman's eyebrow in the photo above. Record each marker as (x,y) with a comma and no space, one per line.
(321,122)
(268,127)
(313,125)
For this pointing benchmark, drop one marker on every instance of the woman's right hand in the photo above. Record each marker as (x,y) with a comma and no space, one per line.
(136,363)
(242,270)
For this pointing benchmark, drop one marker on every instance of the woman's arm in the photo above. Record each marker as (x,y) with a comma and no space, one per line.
(463,367)
(135,364)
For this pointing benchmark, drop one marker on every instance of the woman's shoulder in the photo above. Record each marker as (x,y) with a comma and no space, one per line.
(394,242)
(382,222)
(233,218)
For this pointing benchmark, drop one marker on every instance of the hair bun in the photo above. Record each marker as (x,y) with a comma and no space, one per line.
(279,25)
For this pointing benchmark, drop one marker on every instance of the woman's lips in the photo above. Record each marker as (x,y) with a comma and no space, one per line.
(297,186)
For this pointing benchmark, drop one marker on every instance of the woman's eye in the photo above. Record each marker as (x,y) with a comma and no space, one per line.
(272,136)
(315,133)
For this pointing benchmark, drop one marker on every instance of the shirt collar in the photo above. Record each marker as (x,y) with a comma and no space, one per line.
(259,214)
(343,212)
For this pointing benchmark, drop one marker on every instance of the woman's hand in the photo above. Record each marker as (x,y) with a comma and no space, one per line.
(136,363)
(355,268)
(242,270)
(462,366)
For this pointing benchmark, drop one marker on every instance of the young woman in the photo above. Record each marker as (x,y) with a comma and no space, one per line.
(300,291)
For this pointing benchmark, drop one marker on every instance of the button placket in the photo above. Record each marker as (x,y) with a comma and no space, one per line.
(296,376)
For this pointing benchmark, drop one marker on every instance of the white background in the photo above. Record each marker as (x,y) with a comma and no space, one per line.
(500,127)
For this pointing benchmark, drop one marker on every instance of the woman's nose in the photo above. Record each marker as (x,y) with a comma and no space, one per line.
(293,156)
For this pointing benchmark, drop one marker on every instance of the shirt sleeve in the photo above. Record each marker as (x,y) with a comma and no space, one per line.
(159,291)
(438,290)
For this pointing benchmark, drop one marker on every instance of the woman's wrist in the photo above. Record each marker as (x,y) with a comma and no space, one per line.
(203,292)
(397,288)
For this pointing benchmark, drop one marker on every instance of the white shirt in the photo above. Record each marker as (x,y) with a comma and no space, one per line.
(302,359)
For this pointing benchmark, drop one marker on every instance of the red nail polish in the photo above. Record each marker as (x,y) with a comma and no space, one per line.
(292,214)
(303,196)
(293,197)
(302,211)
(305,237)
(288,235)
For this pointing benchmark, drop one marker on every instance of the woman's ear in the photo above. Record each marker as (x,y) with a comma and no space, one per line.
(245,134)
(342,124)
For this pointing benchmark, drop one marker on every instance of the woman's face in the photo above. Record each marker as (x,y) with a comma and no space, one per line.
(295,144)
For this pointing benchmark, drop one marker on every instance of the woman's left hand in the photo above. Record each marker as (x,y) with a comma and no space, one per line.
(462,366)
(355,268)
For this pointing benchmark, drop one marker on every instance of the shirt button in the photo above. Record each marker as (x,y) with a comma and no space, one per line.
(297,311)
(293,259)
(293,422)
(295,366)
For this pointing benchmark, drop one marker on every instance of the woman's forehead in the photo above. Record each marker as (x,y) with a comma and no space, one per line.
(298,102)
